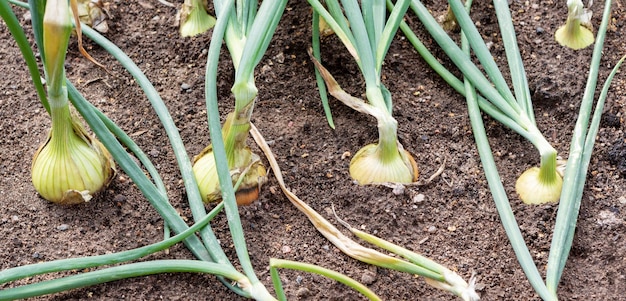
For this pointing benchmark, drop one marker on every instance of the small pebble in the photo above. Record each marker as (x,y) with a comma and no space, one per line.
(622,200)
(36,255)
(154,153)
(432,229)
(299,279)
(285,249)
(368,277)
(398,189)
(63,227)
(418,198)
(185,86)
(302,292)
(15,218)
(539,30)
(326,247)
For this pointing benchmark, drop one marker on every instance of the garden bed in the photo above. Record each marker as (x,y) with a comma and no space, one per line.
(452,220)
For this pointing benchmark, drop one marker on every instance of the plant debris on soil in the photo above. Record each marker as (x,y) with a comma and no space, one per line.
(452,220)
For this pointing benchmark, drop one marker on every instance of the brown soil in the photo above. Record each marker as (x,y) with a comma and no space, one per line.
(455,224)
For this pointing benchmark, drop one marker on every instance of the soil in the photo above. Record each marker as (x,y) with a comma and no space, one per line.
(452,220)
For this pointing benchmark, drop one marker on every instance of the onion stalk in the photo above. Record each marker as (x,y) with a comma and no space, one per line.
(70,166)
(575,34)
(366,32)
(247,37)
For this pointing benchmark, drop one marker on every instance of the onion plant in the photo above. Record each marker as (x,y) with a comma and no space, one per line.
(70,166)
(576,32)
(247,37)
(580,149)
(367,32)
(512,108)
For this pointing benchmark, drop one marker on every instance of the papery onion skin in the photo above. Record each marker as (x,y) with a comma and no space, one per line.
(205,171)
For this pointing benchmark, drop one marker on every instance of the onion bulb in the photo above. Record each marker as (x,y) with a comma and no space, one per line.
(194,18)
(535,188)
(69,169)
(369,167)
(574,34)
